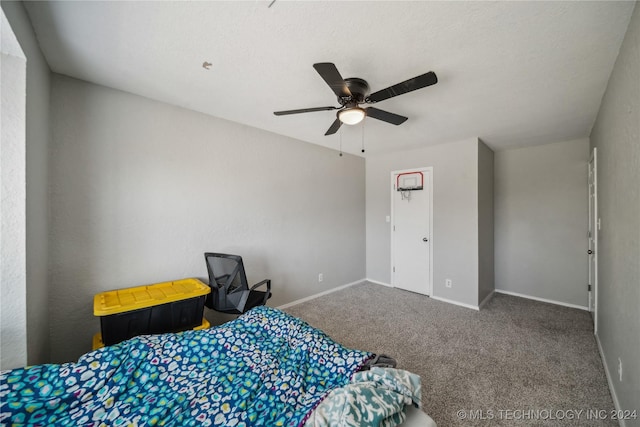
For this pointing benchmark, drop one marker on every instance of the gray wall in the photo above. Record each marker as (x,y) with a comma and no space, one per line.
(616,134)
(455,215)
(541,215)
(486,276)
(13,317)
(141,189)
(36,161)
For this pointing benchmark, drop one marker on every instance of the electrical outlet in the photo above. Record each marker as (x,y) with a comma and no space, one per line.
(448,283)
(320,277)
(620,368)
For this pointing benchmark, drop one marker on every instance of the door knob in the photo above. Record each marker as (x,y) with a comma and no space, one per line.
(424,239)
(590,252)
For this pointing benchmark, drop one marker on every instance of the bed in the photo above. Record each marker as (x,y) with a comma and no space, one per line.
(263,368)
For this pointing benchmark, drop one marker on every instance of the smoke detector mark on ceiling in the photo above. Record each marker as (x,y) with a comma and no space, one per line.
(206,65)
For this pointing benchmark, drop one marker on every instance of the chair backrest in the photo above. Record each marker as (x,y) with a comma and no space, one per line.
(227,279)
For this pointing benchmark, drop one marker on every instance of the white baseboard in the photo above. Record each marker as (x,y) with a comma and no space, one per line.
(486,300)
(388,285)
(461,304)
(473,307)
(610,381)
(314,296)
(550,301)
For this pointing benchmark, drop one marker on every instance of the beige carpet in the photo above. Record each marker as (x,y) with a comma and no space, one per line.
(514,355)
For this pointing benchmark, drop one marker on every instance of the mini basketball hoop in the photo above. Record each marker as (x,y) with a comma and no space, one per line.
(407,182)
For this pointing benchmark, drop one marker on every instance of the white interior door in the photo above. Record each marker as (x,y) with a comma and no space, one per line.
(592,251)
(411,242)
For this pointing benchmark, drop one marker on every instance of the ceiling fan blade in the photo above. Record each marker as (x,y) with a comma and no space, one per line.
(406,86)
(385,116)
(334,127)
(304,110)
(332,77)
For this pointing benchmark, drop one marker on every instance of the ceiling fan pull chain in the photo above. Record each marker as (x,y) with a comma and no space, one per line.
(363,136)
(340,141)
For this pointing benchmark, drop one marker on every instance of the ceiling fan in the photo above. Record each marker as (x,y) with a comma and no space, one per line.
(354,91)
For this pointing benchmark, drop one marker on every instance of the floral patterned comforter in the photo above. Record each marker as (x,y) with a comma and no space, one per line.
(264,368)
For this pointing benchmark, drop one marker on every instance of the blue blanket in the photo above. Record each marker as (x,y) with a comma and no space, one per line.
(264,368)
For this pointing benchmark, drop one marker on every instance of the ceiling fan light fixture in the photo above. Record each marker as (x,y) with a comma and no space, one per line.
(351,116)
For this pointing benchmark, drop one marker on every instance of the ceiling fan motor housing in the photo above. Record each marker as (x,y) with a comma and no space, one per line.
(359,89)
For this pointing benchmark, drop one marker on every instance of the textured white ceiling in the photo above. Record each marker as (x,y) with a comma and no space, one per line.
(511,73)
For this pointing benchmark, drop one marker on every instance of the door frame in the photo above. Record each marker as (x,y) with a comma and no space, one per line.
(593,159)
(392,222)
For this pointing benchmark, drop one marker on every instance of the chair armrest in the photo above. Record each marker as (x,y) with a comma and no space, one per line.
(267,281)
(268,293)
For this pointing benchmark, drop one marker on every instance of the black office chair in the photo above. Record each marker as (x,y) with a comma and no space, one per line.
(230,292)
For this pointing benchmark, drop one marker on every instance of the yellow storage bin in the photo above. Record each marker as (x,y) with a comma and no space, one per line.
(152,309)
(97,338)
